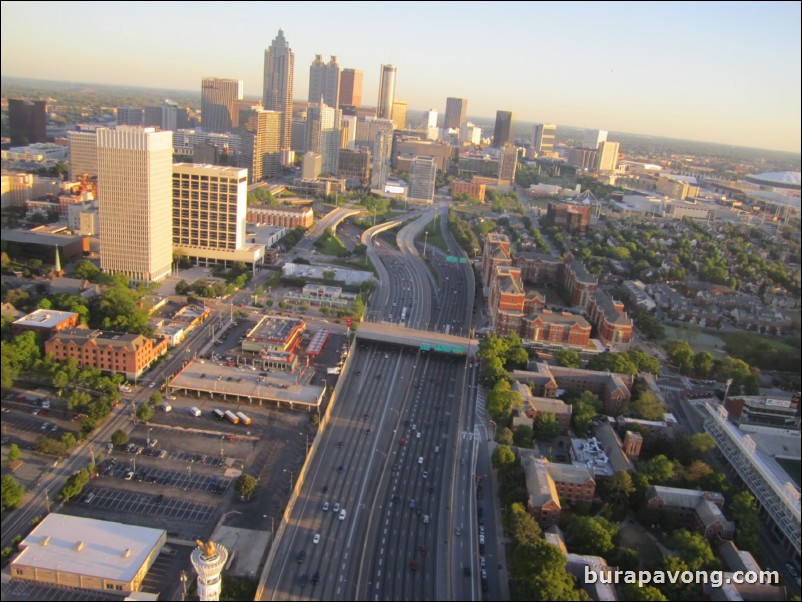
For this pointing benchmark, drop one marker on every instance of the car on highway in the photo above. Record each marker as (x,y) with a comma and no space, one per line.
(301,556)
(342,514)
(425,474)
(412,502)
(413,565)
(325,506)
(302,580)
(316,538)
(336,507)
(420,459)
(315,578)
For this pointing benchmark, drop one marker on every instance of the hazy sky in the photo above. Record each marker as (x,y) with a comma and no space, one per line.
(721,72)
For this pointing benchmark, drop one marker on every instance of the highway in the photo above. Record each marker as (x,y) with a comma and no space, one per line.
(397,453)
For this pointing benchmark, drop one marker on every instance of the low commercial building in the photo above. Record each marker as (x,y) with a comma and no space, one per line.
(274,333)
(285,217)
(129,354)
(45,322)
(75,552)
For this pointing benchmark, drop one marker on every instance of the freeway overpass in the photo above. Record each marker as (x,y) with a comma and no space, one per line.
(410,337)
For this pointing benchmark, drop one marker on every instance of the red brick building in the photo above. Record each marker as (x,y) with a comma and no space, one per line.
(283,217)
(578,282)
(496,252)
(557,328)
(45,322)
(129,354)
(571,217)
(474,190)
(613,325)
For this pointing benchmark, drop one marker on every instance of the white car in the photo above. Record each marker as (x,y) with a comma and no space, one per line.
(420,460)
(316,538)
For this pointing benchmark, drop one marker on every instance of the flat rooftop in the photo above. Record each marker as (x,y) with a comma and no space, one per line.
(215,378)
(44,318)
(110,550)
(274,328)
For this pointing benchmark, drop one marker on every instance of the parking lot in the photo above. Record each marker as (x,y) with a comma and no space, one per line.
(162,506)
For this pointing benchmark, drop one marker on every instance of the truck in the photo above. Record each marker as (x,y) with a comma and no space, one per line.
(195,411)
(166,406)
(404,314)
(334,370)
(243,418)
(232,417)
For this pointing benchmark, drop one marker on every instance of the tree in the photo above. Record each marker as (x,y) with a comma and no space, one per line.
(155,399)
(696,471)
(591,535)
(524,436)
(703,364)
(747,520)
(568,358)
(546,427)
(504,436)
(645,593)
(693,548)
(659,469)
(695,447)
(246,486)
(144,413)
(681,355)
(648,406)
(502,458)
(618,488)
(119,438)
(13,453)
(679,590)
(11,494)
(74,485)
(523,526)
(86,270)
(538,572)
(501,400)
(68,441)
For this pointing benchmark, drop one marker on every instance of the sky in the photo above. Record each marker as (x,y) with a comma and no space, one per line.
(726,72)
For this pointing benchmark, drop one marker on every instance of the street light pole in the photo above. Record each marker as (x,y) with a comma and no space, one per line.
(425,240)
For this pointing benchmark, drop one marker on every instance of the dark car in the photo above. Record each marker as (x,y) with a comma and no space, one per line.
(315,578)
(466,571)
(301,556)
(303,579)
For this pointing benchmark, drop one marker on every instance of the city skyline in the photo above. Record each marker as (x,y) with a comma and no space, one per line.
(728,75)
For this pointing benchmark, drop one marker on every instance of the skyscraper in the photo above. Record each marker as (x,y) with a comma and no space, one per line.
(350,88)
(83,151)
(502,131)
(384,105)
(27,120)
(422,175)
(543,135)
(279,69)
(129,115)
(456,113)
(607,156)
(593,138)
(260,152)
(324,81)
(399,114)
(219,104)
(323,135)
(430,124)
(135,202)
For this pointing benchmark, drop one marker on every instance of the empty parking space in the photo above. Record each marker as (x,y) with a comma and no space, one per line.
(141,503)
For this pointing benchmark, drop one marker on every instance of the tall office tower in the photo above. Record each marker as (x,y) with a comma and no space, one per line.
(430,124)
(399,114)
(27,120)
(503,129)
(384,106)
(135,202)
(169,115)
(260,151)
(593,138)
(354,166)
(83,151)
(347,131)
(456,113)
(607,156)
(470,133)
(508,163)
(209,208)
(219,104)
(323,135)
(422,175)
(129,115)
(381,151)
(543,135)
(152,117)
(350,88)
(279,69)
(324,81)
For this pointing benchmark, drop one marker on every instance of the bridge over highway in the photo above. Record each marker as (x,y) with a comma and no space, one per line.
(410,337)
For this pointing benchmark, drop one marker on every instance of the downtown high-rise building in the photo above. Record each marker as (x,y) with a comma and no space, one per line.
(83,151)
(593,138)
(219,110)
(543,135)
(350,88)
(606,156)
(260,143)
(384,105)
(324,81)
(129,115)
(27,120)
(135,202)
(503,131)
(422,176)
(323,135)
(456,113)
(430,124)
(399,114)
(278,80)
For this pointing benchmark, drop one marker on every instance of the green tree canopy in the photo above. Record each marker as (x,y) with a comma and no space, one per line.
(246,486)
(13,452)
(11,494)
(591,535)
